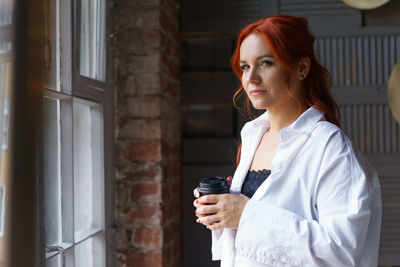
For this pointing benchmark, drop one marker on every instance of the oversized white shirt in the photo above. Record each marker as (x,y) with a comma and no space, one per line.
(320,206)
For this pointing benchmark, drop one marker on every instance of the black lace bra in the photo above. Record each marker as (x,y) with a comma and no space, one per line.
(253,181)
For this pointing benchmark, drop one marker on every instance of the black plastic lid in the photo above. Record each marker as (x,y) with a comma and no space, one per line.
(214,185)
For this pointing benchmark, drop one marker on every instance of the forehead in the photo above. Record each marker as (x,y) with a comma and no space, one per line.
(254,45)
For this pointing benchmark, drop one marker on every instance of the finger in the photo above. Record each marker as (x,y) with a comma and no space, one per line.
(197,204)
(208,199)
(209,220)
(207,209)
(198,215)
(216,226)
(196,193)
(201,215)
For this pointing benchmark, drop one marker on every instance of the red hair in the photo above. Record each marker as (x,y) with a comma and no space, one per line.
(290,40)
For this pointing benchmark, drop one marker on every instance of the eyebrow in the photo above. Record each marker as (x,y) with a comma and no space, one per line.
(259,57)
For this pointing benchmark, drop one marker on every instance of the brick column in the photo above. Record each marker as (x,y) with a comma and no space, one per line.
(147,187)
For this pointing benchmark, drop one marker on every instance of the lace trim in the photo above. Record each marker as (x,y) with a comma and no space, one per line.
(264,171)
(253,181)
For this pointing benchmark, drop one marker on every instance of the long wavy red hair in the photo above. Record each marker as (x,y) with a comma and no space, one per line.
(290,40)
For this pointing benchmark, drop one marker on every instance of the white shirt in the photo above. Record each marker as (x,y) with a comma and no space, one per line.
(320,206)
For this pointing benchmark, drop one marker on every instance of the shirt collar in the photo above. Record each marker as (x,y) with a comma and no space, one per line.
(304,123)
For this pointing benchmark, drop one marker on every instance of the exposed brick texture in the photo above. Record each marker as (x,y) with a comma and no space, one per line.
(143,259)
(147,137)
(147,238)
(149,192)
(145,107)
(145,151)
(140,129)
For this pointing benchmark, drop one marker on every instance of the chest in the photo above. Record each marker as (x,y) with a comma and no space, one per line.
(265,151)
(294,170)
(291,184)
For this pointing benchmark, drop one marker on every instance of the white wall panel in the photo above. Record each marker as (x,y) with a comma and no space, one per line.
(372,128)
(390,241)
(359,60)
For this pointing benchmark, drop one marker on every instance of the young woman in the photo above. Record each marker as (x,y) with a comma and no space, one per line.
(302,194)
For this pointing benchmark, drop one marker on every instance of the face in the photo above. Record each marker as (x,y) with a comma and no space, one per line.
(264,79)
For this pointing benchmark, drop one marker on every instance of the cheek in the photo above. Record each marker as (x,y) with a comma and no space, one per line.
(243,78)
(279,80)
(244,81)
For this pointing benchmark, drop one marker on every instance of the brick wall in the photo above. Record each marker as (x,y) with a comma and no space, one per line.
(147,188)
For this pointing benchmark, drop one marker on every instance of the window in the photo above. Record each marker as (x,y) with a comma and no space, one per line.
(73,181)
(5,78)
(74,192)
(6,22)
(92,33)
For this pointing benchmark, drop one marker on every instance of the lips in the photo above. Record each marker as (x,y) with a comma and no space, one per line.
(258,92)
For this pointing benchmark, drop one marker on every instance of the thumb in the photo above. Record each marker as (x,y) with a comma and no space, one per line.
(196,193)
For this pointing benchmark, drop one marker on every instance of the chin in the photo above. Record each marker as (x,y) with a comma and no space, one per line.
(259,106)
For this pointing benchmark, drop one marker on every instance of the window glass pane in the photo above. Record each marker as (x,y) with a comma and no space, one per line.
(2,207)
(54,261)
(6,118)
(4,181)
(51,170)
(93,41)
(90,253)
(5,79)
(51,45)
(88,179)
(5,70)
(6,12)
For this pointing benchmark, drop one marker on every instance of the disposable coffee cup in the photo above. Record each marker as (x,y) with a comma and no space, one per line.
(213,185)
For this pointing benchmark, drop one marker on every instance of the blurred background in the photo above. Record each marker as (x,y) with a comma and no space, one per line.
(111,112)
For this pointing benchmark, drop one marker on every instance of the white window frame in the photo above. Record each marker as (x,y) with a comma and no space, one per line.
(71,86)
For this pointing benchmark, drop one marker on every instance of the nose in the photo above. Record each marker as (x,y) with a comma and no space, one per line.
(253,76)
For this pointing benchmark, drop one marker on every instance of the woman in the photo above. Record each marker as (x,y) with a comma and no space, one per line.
(302,195)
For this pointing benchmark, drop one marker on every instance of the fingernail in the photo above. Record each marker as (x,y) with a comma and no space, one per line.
(197,201)
(198,220)
(195,212)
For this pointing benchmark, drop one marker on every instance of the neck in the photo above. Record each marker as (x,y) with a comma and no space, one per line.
(283,115)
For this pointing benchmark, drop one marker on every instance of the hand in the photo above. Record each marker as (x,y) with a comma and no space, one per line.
(220,211)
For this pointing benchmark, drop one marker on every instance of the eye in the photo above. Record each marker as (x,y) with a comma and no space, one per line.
(244,67)
(267,63)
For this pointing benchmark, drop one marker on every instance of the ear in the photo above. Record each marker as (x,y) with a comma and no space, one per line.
(303,67)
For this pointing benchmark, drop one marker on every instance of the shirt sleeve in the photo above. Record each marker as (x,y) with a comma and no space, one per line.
(335,238)
(216,244)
